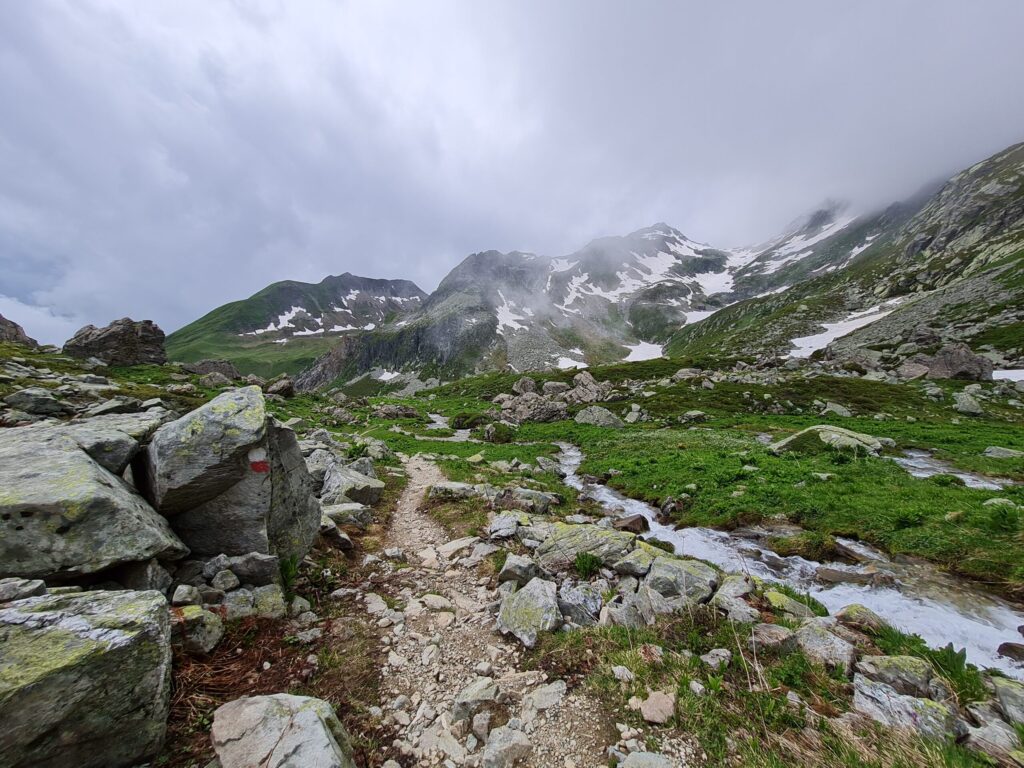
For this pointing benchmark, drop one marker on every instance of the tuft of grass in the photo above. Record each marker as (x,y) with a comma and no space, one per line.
(586,564)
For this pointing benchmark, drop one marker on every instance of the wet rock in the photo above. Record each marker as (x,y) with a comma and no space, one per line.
(632,524)
(280,731)
(124,342)
(1013,651)
(530,611)
(86,679)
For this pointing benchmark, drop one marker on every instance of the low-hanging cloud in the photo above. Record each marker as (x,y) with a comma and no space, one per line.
(159,159)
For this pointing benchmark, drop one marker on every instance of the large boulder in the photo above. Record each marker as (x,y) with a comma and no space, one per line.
(957,361)
(345,484)
(112,440)
(271,510)
(66,516)
(597,416)
(533,407)
(881,702)
(123,342)
(10,331)
(826,437)
(280,731)
(204,453)
(84,679)
(558,552)
(530,611)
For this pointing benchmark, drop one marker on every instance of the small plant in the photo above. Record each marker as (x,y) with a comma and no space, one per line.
(289,572)
(356,451)
(714,683)
(907,518)
(586,564)
(1004,518)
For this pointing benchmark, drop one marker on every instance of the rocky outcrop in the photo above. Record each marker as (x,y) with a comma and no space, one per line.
(84,679)
(64,516)
(955,361)
(280,731)
(559,551)
(826,437)
(123,342)
(11,332)
(202,367)
(597,416)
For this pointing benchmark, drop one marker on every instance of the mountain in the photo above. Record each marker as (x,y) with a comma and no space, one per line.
(288,325)
(944,267)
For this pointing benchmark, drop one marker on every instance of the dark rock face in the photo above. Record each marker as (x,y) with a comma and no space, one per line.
(11,331)
(957,361)
(123,342)
(203,367)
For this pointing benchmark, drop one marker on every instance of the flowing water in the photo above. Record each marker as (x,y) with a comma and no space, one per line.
(922,464)
(924,600)
(437,421)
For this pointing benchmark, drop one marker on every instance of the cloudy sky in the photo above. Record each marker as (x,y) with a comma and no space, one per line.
(160,158)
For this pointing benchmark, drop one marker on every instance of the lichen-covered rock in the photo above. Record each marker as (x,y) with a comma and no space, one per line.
(560,549)
(84,679)
(580,603)
(882,703)
(112,440)
(280,731)
(123,342)
(204,453)
(909,675)
(504,525)
(518,568)
(345,484)
(530,611)
(271,510)
(861,618)
(821,646)
(63,515)
(826,437)
(780,601)
(729,598)
(1010,695)
(19,589)
(692,579)
(637,562)
(772,638)
(195,629)
(35,400)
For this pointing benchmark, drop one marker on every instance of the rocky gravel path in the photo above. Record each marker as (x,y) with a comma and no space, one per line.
(456,692)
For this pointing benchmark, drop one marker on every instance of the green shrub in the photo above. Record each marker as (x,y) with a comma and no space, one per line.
(1004,518)
(586,564)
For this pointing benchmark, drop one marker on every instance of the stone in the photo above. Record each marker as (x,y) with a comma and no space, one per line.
(186,594)
(524,385)
(965,403)
(729,598)
(122,343)
(237,605)
(519,569)
(113,440)
(65,516)
(558,551)
(647,760)
(533,407)
(283,387)
(18,589)
(692,579)
(772,638)
(545,696)
(214,380)
(597,416)
(580,603)
(780,601)
(995,452)
(638,562)
(632,523)
(280,731)
(835,409)
(530,611)
(255,568)
(658,707)
(351,513)
(1010,696)
(475,697)
(538,502)
(826,437)
(861,618)
(909,675)
(345,484)
(957,361)
(992,735)
(224,580)
(931,719)
(268,602)
(822,647)
(85,679)
(13,333)
(504,525)
(717,657)
(505,747)
(35,400)
(269,510)
(195,629)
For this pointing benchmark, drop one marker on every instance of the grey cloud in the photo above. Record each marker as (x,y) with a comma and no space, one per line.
(160,159)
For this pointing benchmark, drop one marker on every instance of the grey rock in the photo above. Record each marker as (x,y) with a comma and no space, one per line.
(880,702)
(344,484)
(475,697)
(597,416)
(957,361)
(821,646)
(530,611)
(505,747)
(18,589)
(646,760)
(579,603)
(909,675)
(35,400)
(823,437)
(255,568)
(68,515)
(692,579)
(223,367)
(123,342)
(280,731)
(86,679)
(195,629)
(995,452)
(519,569)
(11,332)
(214,380)
(966,404)
(559,550)
(142,576)
(224,580)
(1010,696)
(772,638)
(186,594)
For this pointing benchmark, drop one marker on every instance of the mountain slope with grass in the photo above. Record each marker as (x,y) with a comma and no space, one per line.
(948,271)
